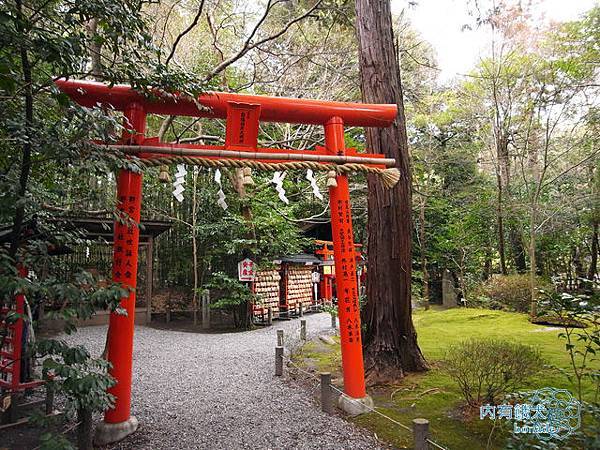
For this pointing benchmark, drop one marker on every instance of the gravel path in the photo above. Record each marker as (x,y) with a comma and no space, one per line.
(218,391)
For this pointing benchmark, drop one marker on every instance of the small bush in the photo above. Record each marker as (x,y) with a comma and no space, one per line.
(484,302)
(512,291)
(232,296)
(486,369)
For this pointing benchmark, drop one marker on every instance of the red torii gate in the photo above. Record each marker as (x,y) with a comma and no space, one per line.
(243,114)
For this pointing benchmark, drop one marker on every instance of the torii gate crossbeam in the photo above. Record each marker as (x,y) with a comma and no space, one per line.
(243,113)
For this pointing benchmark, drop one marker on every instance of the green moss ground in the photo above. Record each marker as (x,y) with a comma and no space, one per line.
(433,394)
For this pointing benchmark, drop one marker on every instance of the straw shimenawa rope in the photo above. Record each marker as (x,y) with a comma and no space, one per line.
(389,176)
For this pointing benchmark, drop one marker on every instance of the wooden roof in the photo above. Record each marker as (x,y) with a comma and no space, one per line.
(91,227)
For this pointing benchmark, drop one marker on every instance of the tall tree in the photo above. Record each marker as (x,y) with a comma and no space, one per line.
(44,141)
(390,338)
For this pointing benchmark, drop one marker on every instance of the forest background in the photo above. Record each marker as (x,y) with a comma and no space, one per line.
(504,160)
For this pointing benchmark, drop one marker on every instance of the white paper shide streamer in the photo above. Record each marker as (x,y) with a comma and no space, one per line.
(313,184)
(220,195)
(179,181)
(278,182)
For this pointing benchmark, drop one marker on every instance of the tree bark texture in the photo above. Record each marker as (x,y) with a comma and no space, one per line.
(85,429)
(532,263)
(595,248)
(517,248)
(422,240)
(500,221)
(390,339)
(502,172)
(19,215)
(593,269)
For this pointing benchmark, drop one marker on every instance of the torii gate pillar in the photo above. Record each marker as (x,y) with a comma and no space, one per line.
(118,421)
(355,399)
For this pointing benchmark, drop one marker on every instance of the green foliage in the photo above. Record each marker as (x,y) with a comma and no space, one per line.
(223,236)
(455,197)
(518,101)
(234,291)
(511,292)
(578,40)
(231,296)
(435,395)
(331,309)
(487,369)
(82,297)
(580,319)
(47,164)
(83,379)
(452,132)
(50,441)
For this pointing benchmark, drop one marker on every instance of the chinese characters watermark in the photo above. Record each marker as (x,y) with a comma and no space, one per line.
(548,413)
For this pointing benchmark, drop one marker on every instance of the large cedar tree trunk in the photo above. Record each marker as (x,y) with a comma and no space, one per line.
(390,340)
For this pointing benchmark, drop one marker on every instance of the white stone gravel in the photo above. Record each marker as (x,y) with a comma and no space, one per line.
(218,391)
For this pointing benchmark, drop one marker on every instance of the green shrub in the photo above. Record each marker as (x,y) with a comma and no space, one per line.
(486,369)
(232,296)
(512,291)
(484,302)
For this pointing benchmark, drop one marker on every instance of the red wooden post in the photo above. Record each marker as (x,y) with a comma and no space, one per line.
(17,342)
(345,270)
(326,287)
(326,284)
(125,262)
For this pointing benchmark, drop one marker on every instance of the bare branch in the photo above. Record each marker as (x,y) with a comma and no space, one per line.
(202,137)
(248,45)
(184,32)
(77,209)
(569,169)
(164,126)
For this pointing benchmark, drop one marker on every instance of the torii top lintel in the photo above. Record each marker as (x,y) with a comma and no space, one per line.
(271,109)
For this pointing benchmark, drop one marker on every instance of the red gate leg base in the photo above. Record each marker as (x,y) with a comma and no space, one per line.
(107,433)
(355,406)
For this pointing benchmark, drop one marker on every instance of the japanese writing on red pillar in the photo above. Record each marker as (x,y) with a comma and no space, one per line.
(126,238)
(348,294)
